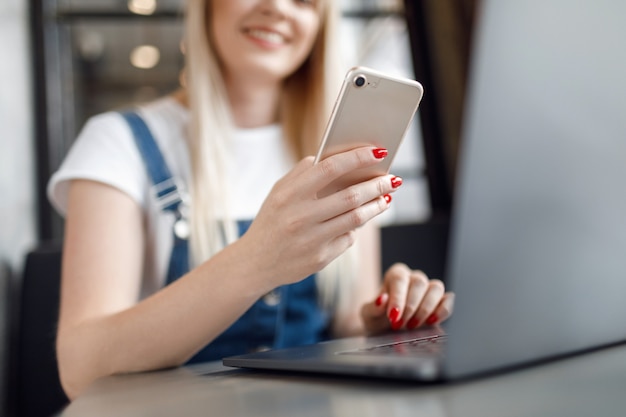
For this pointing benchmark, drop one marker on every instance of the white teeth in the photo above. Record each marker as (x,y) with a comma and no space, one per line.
(271,37)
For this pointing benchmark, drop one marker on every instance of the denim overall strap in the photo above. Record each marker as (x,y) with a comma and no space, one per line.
(168,193)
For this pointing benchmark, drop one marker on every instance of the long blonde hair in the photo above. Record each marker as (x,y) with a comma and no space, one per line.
(304,111)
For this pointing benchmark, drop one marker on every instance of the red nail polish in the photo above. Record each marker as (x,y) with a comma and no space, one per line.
(396,182)
(432,319)
(397,324)
(413,323)
(394,314)
(387,198)
(379,301)
(380,153)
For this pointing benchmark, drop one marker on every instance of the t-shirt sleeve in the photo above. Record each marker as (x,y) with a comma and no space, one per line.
(105,152)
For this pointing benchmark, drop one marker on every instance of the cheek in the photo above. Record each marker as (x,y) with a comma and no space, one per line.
(221,25)
(309,34)
(222,39)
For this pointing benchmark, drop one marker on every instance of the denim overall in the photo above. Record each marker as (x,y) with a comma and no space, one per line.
(287,316)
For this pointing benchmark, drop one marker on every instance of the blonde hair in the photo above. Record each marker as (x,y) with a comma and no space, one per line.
(304,111)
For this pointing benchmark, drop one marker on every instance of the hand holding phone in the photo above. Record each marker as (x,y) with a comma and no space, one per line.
(372,109)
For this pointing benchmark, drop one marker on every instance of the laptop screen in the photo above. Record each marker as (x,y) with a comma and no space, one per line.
(539,231)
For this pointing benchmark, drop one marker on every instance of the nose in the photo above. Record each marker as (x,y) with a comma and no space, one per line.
(274,7)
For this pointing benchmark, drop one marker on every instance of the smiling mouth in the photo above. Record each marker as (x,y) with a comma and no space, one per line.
(267,36)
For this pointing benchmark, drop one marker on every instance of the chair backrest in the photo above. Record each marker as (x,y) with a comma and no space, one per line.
(420,245)
(5,334)
(37,387)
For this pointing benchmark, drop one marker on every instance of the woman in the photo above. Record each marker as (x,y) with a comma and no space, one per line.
(258,87)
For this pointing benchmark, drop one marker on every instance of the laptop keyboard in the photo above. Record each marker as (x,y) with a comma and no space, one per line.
(427,346)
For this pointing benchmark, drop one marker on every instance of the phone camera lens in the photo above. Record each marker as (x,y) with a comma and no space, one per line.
(360,80)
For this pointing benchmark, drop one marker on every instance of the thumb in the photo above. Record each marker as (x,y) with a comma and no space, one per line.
(374,314)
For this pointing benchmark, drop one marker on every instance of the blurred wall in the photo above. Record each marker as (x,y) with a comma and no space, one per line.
(17,179)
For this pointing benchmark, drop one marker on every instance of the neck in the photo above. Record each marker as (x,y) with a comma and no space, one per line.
(253,104)
(180,95)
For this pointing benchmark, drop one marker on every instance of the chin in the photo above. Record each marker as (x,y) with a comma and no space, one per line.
(271,71)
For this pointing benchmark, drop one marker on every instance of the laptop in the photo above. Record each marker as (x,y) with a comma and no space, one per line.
(537,250)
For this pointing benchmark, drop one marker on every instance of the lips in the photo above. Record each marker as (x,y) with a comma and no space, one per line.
(266,35)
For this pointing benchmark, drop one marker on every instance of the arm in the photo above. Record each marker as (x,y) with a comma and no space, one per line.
(103,330)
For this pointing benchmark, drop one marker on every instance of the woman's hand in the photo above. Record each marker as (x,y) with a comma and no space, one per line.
(297,233)
(407,299)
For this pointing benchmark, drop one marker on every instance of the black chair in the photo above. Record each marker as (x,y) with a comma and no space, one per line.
(37,389)
(6,281)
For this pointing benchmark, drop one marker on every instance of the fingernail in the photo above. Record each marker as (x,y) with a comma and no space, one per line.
(387,198)
(380,153)
(397,324)
(396,182)
(394,314)
(413,323)
(379,300)
(432,319)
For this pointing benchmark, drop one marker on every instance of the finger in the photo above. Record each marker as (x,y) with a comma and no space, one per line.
(418,286)
(357,195)
(443,310)
(373,315)
(337,165)
(338,245)
(430,302)
(337,234)
(396,283)
(355,218)
(376,308)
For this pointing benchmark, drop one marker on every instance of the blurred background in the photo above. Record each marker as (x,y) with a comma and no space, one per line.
(104,54)
(66,60)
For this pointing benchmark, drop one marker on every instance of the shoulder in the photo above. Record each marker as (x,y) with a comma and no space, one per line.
(162,114)
(105,151)
(166,118)
(168,122)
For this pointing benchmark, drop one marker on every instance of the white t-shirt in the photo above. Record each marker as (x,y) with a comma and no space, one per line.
(105,151)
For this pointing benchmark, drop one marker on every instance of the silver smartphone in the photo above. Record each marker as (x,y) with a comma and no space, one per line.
(372,109)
